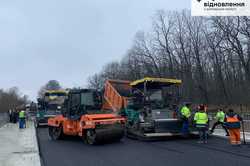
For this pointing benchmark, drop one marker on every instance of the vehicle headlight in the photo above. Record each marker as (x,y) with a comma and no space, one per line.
(59,107)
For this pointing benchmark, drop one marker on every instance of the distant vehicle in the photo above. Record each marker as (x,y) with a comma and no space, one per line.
(31,110)
(49,105)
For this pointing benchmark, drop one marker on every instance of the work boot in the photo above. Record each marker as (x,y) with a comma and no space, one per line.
(211,131)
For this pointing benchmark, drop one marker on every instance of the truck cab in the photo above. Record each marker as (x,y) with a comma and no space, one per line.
(49,105)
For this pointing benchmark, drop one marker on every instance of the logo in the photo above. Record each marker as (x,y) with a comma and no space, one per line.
(220,8)
(201,0)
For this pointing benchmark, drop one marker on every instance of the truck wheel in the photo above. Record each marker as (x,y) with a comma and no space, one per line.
(55,133)
(91,137)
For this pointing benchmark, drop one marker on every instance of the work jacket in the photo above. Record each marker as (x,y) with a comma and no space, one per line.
(232,121)
(185,112)
(21,114)
(220,116)
(201,119)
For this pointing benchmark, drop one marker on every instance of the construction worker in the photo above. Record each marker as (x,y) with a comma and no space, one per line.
(232,122)
(21,119)
(201,123)
(185,115)
(16,116)
(220,116)
(10,115)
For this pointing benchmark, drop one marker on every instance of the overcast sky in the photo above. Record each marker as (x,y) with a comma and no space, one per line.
(68,40)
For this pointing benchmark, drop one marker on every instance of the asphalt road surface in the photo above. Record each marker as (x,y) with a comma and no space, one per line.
(73,152)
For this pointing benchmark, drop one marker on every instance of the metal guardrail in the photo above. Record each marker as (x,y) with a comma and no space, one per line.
(246,116)
(247,125)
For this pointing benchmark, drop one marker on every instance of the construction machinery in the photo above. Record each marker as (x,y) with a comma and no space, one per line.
(116,94)
(150,106)
(31,110)
(49,105)
(83,116)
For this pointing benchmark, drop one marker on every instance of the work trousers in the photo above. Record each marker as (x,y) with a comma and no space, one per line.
(222,125)
(10,118)
(202,132)
(185,127)
(234,136)
(22,123)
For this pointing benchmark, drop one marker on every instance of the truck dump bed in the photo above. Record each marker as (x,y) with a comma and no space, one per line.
(116,93)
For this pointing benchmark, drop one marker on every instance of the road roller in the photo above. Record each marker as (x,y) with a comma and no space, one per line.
(82,115)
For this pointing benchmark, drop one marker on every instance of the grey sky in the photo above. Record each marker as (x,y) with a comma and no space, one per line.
(68,40)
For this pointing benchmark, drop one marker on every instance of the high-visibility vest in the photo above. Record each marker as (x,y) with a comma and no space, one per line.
(220,116)
(21,114)
(201,118)
(185,111)
(232,122)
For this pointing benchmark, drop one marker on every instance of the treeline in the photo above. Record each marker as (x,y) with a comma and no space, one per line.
(11,98)
(210,54)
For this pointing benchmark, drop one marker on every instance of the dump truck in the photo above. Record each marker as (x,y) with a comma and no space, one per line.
(49,105)
(150,106)
(116,94)
(82,115)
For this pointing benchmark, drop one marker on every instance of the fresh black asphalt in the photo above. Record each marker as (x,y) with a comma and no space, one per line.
(174,152)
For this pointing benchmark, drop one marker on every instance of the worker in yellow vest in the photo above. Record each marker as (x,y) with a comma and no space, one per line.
(185,115)
(201,123)
(220,116)
(22,119)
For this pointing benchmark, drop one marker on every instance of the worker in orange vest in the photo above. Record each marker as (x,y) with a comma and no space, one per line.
(232,121)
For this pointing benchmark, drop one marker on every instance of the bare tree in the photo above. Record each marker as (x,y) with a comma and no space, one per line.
(96,82)
(210,54)
(11,98)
